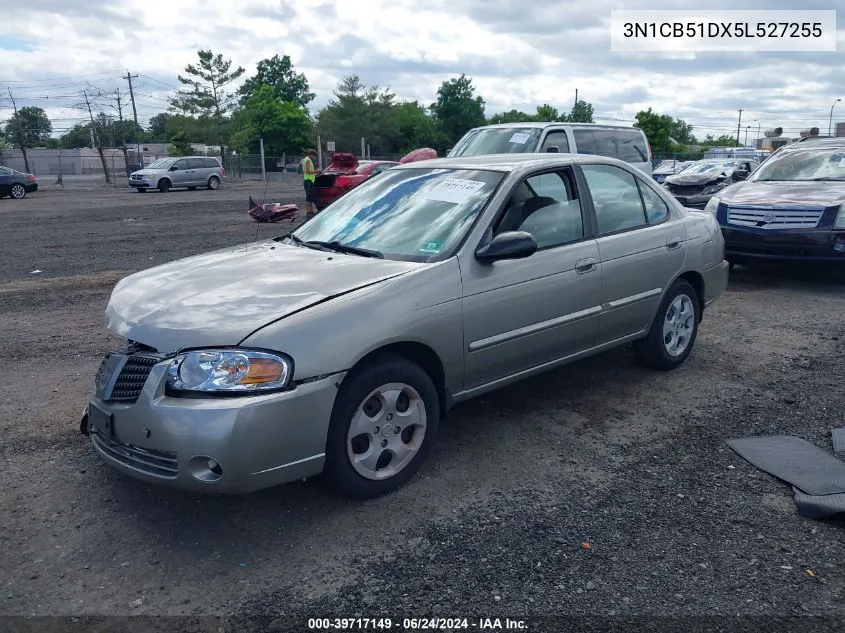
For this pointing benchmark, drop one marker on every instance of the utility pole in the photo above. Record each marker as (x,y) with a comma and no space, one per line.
(737,126)
(96,137)
(19,125)
(129,77)
(118,98)
(576,98)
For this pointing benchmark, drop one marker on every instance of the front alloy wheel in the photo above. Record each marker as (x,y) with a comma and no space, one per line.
(383,425)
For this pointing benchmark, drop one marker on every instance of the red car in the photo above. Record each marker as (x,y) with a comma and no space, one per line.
(344,173)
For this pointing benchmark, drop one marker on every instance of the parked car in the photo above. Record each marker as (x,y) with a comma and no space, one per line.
(792,208)
(339,347)
(16,184)
(669,168)
(628,144)
(699,182)
(189,172)
(343,173)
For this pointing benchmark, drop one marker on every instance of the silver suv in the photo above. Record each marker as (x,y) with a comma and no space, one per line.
(183,171)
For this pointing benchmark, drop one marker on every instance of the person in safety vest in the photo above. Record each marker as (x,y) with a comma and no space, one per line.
(309,175)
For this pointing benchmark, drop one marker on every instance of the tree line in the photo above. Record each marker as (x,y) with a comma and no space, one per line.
(273,105)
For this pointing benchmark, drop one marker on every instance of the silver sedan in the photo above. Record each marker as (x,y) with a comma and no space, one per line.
(338,348)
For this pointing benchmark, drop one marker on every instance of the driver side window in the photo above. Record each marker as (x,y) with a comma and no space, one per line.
(547,207)
(180,164)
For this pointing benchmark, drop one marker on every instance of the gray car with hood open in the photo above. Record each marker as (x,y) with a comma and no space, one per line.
(339,347)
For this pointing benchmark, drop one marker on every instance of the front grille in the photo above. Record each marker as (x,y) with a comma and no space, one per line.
(132,377)
(148,461)
(689,190)
(798,218)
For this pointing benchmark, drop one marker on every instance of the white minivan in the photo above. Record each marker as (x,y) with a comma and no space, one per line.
(628,144)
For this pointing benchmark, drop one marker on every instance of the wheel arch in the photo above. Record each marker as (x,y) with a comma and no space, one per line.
(696,280)
(167,178)
(420,354)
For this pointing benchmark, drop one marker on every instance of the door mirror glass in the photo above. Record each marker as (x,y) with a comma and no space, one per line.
(508,245)
(740,174)
(552,149)
(173,168)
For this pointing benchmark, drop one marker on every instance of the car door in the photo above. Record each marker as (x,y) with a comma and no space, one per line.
(5,181)
(642,247)
(524,313)
(197,174)
(179,173)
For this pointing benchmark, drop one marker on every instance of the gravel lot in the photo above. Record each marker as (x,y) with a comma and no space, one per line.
(598,489)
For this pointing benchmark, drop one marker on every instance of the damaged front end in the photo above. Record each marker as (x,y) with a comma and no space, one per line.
(695,190)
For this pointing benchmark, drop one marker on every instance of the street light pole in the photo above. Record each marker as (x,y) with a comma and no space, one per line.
(830,122)
(746,136)
(757,142)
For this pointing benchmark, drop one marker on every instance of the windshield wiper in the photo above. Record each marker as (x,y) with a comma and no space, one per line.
(827,178)
(345,248)
(317,246)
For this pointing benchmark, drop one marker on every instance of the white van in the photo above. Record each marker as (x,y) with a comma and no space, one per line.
(625,143)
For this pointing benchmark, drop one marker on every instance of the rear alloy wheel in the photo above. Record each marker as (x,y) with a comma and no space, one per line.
(164,185)
(18,192)
(214,183)
(383,426)
(673,331)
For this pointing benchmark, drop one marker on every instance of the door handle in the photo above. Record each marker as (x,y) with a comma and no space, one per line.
(585,265)
(673,242)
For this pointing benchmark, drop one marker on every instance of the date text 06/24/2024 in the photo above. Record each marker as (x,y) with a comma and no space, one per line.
(416,624)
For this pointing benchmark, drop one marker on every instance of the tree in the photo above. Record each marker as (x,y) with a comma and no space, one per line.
(511,116)
(458,108)
(547,112)
(29,127)
(725,140)
(413,127)
(204,93)
(284,125)
(681,131)
(345,119)
(657,128)
(278,73)
(582,112)
(157,128)
(180,146)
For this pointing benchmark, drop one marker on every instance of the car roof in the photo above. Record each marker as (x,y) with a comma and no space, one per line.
(545,124)
(510,162)
(827,142)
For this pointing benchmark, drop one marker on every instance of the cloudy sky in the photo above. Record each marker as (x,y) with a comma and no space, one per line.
(519,54)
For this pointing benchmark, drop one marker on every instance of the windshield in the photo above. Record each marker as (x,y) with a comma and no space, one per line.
(804,164)
(498,140)
(161,163)
(700,168)
(407,214)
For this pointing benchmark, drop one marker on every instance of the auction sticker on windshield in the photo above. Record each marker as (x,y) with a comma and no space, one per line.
(431,248)
(455,190)
(519,137)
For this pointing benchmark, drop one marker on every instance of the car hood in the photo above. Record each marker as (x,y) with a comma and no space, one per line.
(815,193)
(220,298)
(698,179)
(148,172)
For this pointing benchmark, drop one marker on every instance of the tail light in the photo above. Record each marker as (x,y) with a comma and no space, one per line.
(32,178)
(222,171)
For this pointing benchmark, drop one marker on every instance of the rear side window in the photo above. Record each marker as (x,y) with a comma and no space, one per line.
(616,198)
(210,163)
(627,145)
(195,163)
(656,209)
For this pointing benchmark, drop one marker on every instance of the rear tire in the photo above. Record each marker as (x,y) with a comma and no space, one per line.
(673,331)
(396,406)
(214,183)
(17,192)
(164,185)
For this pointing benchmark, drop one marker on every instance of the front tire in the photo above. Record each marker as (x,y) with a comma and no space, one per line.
(214,183)
(17,192)
(383,425)
(673,331)
(164,185)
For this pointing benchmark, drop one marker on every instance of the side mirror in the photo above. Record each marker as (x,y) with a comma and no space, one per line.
(741,174)
(508,245)
(552,149)
(173,168)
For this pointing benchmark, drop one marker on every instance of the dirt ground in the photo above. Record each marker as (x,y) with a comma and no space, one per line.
(597,489)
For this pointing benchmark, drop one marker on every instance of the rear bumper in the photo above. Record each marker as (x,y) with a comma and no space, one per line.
(31,187)
(784,245)
(715,281)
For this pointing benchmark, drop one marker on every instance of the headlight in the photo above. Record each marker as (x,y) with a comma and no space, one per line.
(839,222)
(712,205)
(714,187)
(229,370)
